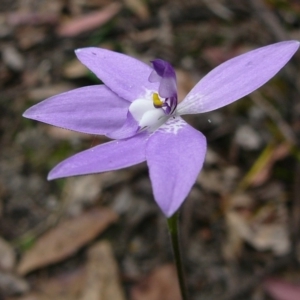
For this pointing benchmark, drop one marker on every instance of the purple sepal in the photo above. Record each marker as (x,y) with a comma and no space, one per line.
(124,75)
(175,155)
(237,78)
(106,157)
(92,109)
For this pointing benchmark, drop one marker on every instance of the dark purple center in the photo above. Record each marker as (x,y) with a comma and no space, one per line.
(164,73)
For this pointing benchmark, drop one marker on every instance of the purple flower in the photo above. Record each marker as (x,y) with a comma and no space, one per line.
(137,107)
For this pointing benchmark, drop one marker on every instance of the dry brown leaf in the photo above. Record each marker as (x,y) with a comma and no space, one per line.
(31,18)
(89,21)
(102,281)
(162,284)
(264,230)
(66,239)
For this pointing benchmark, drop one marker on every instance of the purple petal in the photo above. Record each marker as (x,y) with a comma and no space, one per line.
(106,157)
(164,73)
(175,155)
(129,129)
(237,78)
(124,75)
(93,109)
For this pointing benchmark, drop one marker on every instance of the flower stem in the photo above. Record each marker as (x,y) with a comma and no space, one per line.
(173,230)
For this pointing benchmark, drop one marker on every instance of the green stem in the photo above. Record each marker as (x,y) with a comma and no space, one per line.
(173,230)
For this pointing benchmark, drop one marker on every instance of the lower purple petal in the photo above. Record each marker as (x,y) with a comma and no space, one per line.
(106,157)
(175,155)
(92,109)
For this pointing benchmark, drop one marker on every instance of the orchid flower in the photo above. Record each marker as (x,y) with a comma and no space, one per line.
(138,108)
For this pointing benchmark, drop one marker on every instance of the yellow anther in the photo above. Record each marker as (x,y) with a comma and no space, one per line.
(156,101)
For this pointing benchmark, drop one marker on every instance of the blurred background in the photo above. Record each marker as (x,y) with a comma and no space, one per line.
(102,237)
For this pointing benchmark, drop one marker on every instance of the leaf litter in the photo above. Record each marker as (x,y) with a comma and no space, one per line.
(65,239)
(195,36)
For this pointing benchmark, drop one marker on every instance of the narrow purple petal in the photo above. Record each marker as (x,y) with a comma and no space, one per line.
(175,155)
(237,78)
(164,74)
(124,75)
(106,157)
(93,109)
(129,129)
